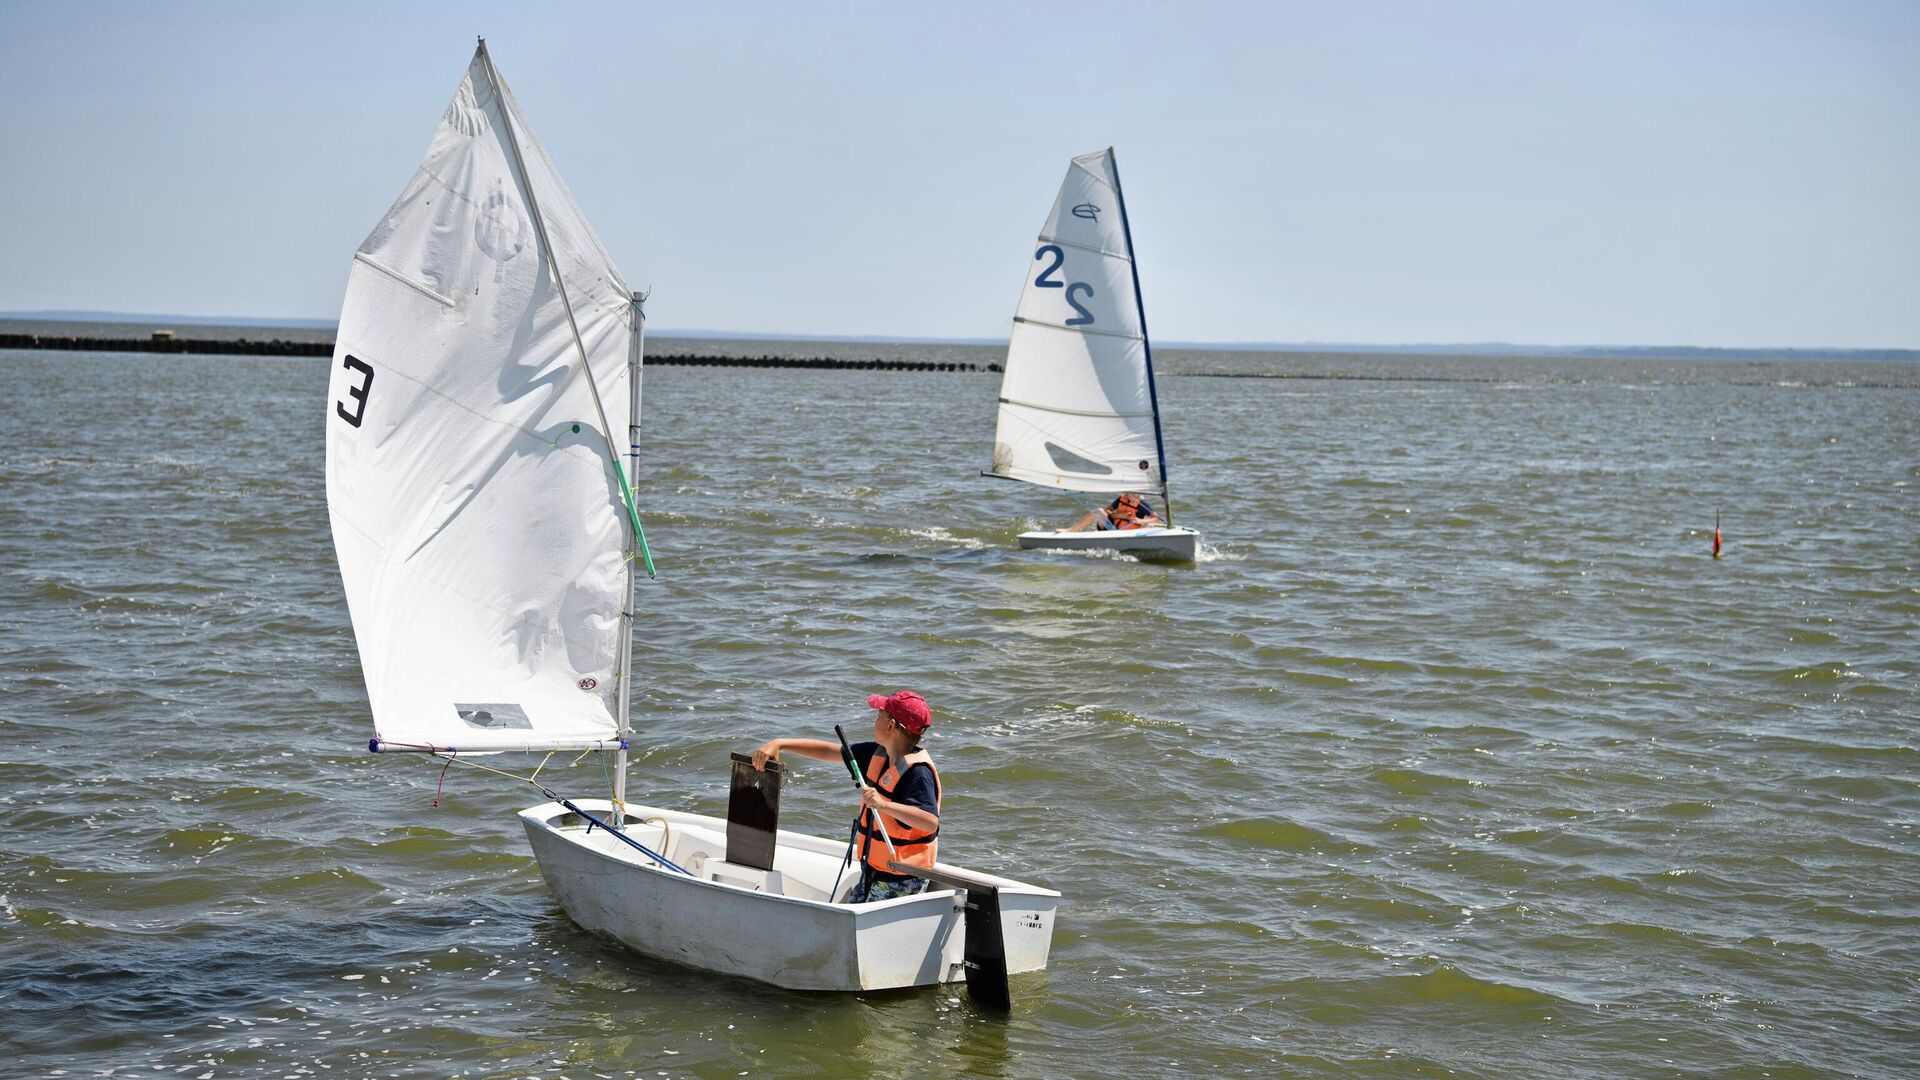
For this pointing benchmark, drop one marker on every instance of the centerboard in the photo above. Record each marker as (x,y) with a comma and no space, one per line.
(753,812)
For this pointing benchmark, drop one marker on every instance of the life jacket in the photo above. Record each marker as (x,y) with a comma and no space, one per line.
(1126,514)
(918,847)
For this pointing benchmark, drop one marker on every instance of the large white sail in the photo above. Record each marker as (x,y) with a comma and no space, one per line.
(1077,400)
(476,515)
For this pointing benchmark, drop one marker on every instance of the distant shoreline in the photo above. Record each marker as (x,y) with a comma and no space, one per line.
(106,325)
(166,342)
(1859,370)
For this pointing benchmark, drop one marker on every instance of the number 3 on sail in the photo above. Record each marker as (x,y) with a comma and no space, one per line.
(357,393)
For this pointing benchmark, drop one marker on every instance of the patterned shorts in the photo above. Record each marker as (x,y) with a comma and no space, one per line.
(870,889)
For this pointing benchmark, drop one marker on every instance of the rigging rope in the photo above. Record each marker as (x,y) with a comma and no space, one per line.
(592,822)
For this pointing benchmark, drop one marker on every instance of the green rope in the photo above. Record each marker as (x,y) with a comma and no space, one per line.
(633,515)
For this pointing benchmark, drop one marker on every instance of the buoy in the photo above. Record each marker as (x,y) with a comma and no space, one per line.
(1716,534)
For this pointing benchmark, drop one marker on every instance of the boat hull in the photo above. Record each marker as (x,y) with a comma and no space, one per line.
(787,927)
(1170,543)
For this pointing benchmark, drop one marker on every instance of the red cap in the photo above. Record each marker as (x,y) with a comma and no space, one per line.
(907,708)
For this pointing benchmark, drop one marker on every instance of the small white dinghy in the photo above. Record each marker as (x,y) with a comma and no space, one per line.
(1153,542)
(787,924)
(1079,409)
(488,355)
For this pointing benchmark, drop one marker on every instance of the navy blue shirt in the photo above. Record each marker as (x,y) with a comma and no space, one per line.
(915,788)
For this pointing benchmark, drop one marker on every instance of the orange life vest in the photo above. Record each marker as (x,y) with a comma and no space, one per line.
(918,847)
(1126,513)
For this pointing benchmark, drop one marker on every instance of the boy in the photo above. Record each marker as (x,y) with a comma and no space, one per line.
(903,799)
(1128,511)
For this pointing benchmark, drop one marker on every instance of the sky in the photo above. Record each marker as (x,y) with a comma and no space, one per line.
(1737,174)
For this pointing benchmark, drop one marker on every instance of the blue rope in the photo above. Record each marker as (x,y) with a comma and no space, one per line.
(625,839)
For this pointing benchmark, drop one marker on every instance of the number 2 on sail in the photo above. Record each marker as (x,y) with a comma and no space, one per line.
(1086,317)
(357,393)
(1046,280)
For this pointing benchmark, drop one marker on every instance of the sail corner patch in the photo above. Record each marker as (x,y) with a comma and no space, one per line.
(494,716)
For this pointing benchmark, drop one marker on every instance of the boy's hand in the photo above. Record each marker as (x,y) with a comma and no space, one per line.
(871,798)
(765,752)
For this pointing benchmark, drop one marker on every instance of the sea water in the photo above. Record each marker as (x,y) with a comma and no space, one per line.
(1455,754)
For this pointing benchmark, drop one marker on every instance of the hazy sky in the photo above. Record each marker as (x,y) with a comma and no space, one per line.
(1736,174)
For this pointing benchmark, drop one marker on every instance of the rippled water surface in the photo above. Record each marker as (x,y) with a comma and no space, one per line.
(1455,754)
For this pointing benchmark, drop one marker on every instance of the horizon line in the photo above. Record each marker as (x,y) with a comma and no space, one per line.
(75,315)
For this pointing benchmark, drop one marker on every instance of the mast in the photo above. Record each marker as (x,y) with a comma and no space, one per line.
(1146,341)
(636,346)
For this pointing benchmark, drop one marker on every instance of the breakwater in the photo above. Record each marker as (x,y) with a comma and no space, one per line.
(814,363)
(167,343)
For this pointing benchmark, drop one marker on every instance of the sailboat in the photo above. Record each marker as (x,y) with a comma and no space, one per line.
(488,356)
(1079,410)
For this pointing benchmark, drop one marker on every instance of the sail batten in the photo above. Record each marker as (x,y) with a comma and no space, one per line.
(1077,407)
(1077,329)
(1121,255)
(1069,412)
(476,511)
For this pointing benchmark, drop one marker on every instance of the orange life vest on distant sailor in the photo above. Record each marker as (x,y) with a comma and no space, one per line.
(918,847)
(1126,512)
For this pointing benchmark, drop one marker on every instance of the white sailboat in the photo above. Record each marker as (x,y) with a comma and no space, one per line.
(488,353)
(1079,410)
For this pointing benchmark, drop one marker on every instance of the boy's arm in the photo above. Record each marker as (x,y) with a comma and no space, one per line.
(905,813)
(817,749)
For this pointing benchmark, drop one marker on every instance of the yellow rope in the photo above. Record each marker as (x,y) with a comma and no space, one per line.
(455,759)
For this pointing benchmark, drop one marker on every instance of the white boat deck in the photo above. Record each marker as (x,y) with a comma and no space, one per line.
(799,872)
(789,926)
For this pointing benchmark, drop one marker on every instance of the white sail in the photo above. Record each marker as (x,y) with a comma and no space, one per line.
(477,517)
(1077,401)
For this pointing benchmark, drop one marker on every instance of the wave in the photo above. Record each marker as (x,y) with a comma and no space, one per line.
(1279,835)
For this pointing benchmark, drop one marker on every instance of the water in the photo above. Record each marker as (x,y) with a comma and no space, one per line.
(1455,754)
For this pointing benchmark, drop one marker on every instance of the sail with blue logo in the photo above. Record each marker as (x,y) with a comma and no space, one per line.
(1077,408)
(477,518)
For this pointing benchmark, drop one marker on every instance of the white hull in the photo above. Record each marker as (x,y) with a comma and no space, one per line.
(778,926)
(1173,543)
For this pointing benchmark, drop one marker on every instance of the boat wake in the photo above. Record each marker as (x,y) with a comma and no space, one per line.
(939,534)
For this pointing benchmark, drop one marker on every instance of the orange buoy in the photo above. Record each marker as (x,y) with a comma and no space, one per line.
(1716,534)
